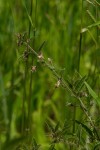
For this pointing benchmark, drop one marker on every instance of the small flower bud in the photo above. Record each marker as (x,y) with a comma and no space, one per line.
(28,40)
(33,69)
(49,60)
(57,84)
(40,56)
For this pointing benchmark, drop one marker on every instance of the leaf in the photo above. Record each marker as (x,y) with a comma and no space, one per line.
(34,142)
(16,144)
(35,145)
(97,146)
(50,126)
(41,46)
(52,147)
(92,93)
(56,127)
(90,26)
(64,131)
(94,24)
(79,84)
(22,147)
(29,17)
(85,127)
(69,84)
(65,128)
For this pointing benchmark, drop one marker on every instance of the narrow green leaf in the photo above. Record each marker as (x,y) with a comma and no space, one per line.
(92,93)
(94,24)
(97,146)
(90,26)
(52,147)
(79,84)
(50,126)
(34,142)
(85,127)
(35,146)
(64,131)
(29,17)
(41,46)
(56,127)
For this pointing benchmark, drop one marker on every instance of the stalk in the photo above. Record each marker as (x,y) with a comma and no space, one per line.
(24,98)
(31,78)
(30,83)
(79,57)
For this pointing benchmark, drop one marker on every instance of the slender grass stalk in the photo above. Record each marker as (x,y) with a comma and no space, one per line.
(80,41)
(30,87)
(31,79)
(24,87)
(11,104)
(97,38)
(29,30)
(78,69)
(80,48)
(74,117)
(24,98)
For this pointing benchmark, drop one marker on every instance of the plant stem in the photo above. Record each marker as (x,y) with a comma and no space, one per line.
(79,57)
(30,87)
(24,98)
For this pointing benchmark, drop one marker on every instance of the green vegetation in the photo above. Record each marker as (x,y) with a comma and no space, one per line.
(49,75)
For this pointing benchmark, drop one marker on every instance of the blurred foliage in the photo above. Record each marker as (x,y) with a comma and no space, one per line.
(58,23)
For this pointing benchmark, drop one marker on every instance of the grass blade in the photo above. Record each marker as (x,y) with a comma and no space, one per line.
(90,26)
(92,93)
(85,127)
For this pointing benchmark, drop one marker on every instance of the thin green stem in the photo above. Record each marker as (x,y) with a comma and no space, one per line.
(80,49)
(30,87)
(29,21)
(24,98)
(79,58)
(31,79)
(97,26)
(80,41)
